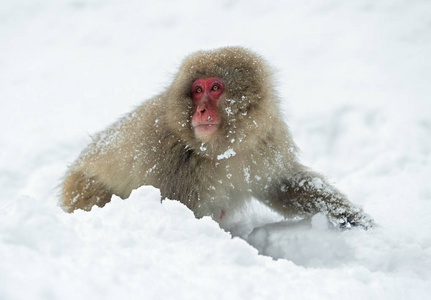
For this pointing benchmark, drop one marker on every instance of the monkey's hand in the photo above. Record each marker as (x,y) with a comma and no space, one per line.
(80,191)
(352,218)
(308,193)
(340,211)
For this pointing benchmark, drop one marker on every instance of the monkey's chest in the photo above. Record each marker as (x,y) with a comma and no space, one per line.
(196,182)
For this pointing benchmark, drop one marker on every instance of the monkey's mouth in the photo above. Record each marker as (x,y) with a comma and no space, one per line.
(205,129)
(205,125)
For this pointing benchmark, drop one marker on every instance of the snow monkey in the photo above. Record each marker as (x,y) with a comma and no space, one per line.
(212,140)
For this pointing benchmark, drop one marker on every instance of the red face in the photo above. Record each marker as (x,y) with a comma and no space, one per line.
(206,95)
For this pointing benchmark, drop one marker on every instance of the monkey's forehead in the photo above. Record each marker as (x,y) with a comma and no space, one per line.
(223,62)
(240,69)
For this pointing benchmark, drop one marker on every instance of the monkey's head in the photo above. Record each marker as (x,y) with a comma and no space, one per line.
(220,95)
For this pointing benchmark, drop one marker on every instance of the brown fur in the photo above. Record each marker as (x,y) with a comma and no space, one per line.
(253,154)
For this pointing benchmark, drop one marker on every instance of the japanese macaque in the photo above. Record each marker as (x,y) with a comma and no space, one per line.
(212,140)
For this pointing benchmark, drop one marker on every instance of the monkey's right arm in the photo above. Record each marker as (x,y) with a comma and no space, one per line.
(80,191)
(94,177)
(114,163)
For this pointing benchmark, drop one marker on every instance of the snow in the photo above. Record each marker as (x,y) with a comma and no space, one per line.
(228,153)
(354,83)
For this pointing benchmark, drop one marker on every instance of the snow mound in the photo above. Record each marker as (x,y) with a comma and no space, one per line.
(141,246)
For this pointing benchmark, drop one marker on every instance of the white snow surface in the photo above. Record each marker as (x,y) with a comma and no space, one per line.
(354,79)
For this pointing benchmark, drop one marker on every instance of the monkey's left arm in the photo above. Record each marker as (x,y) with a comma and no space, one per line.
(306,193)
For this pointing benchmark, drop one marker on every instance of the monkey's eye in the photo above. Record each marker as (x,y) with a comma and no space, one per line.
(198,90)
(215,87)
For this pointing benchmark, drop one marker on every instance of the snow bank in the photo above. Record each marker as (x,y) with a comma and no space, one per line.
(141,248)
